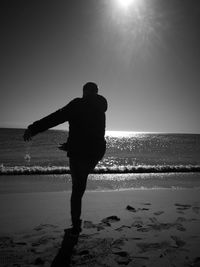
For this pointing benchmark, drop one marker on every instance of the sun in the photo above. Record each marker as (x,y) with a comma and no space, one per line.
(126,3)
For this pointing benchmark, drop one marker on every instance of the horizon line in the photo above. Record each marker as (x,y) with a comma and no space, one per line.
(115,132)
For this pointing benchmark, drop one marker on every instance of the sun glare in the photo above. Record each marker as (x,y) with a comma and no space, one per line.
(125,4)
(119,133)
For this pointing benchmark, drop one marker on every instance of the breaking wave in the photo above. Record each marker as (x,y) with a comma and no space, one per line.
(24,170)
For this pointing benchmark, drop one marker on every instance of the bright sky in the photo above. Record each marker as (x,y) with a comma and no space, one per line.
(143,54)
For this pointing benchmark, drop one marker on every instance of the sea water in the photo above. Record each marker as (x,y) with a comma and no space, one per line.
(131,160)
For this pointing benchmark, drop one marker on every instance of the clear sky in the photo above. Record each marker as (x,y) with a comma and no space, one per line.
(144,55)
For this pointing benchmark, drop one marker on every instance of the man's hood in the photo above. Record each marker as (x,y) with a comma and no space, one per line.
(98,101)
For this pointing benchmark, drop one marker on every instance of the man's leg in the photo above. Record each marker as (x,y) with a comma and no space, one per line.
(80,168)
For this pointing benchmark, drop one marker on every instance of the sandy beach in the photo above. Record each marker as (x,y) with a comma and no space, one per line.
(120,228)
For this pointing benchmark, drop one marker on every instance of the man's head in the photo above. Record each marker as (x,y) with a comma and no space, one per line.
(89,89)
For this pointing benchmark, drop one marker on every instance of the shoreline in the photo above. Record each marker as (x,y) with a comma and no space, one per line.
(97,182)
(108,190)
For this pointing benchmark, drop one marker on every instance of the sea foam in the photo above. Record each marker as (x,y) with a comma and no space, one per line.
(24,170)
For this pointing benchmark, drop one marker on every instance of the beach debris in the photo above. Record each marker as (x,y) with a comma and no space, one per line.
(157,213)
(130,208)
(179,242)
(111,219)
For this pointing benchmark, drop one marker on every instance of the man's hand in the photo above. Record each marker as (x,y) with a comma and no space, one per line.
(27,135)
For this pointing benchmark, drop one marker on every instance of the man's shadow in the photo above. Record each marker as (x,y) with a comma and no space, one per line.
(63,257)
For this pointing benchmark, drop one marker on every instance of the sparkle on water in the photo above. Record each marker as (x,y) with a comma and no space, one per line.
(122,133)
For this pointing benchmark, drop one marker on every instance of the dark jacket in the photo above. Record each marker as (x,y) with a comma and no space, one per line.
(86,117)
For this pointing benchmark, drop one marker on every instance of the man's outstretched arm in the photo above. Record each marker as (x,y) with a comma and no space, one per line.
(52,120)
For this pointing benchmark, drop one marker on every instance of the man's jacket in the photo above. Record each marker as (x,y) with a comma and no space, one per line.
(86,117)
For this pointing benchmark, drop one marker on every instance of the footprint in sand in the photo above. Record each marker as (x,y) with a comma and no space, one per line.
(179,242)
(143,209)
(44,226)
(130,208)
(181,219)
(123,258)
(143,229)
(180,227)
(196,209)
(43,240)
(88,225)
(121,228)
(138,224)
(181,207)
(39,261)
(100,226)
(144,247)
(111,219)
(117,243)
(180,212)
(5,241)
(157,213)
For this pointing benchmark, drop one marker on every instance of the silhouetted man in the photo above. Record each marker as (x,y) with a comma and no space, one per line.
(86,144)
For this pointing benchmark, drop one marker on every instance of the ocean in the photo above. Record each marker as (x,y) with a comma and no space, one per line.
(132,160)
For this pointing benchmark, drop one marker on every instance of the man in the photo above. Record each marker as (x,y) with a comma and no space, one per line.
(86,144)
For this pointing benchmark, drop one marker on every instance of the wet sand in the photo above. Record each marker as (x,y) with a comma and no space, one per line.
(159,227)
